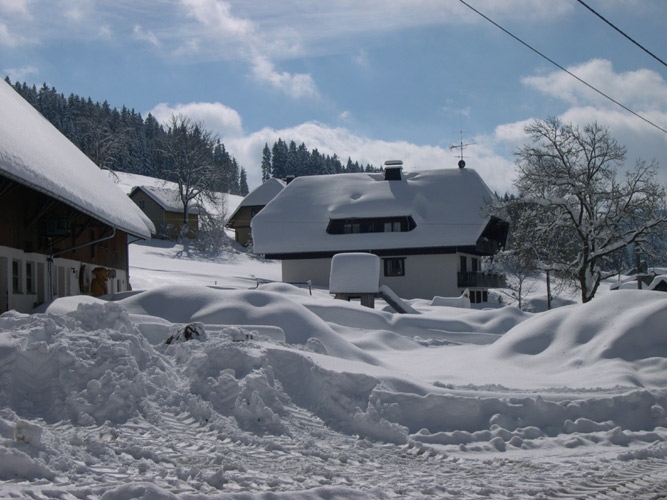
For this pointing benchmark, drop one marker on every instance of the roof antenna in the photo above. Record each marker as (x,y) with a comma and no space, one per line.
(461,147)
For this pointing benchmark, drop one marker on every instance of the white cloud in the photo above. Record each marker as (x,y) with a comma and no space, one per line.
(145,36)
(105,32)
(20,74)
(497,171)
(229,32)
(641,89)
(14,6)
(218,118)
(294,85)
(78,10)
(644,91)
(217,16)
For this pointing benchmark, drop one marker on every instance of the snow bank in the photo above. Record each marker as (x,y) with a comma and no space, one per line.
(91,394)
(251,307)
(623,326)
(462,301)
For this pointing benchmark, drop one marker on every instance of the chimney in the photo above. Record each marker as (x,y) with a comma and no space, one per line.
(392,170)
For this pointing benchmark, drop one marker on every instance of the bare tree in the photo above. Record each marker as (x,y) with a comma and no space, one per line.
(187,156)
(582,213)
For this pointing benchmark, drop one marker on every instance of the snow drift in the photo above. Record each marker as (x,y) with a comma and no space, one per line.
(275,379)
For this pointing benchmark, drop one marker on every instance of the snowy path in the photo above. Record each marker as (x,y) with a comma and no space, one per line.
(181,456)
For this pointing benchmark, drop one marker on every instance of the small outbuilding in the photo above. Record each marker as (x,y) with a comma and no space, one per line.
(164,208)
(251,205)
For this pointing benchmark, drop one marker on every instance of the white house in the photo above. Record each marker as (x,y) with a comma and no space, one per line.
(61,217)
(429,228)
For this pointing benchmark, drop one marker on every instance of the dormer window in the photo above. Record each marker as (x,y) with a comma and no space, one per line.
(371,225)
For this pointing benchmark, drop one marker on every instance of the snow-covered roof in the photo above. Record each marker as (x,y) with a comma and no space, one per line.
(446,206)
(261,195)
(167,198)
(657,281)
(264,193)
(34,153)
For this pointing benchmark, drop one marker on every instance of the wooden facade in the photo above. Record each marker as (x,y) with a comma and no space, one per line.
(168,221)
(240,223)
(48,249)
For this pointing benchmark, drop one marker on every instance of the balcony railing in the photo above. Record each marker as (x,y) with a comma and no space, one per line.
(481,280)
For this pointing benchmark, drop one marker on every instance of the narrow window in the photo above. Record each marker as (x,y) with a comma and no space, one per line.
(475,265)
(387,227)
(464,263)
(16,276)
(394,267)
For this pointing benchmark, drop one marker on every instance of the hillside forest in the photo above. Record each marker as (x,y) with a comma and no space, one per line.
(124,141)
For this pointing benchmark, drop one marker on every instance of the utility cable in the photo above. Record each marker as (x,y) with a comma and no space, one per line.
(565,69)
(622,33)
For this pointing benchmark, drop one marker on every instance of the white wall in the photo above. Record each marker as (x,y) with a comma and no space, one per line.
(302,270)
(65,279)
(425,275)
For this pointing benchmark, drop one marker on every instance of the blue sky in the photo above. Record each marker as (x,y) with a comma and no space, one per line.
(369,79)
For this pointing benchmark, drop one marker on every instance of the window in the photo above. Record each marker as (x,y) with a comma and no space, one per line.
(394,266)
(16,276)
(30,277)
(142,204)
(371,225)
(464,263)
(475,264)
(392,227)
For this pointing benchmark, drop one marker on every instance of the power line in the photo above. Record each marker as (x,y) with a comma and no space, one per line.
(624,34)
(565,69)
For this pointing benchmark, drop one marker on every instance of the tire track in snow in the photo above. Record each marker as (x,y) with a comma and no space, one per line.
(639,480)
(189,455)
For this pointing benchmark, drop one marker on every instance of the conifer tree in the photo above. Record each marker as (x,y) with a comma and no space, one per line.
(266,163)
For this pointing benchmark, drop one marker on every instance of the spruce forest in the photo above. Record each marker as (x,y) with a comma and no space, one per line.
(124,141)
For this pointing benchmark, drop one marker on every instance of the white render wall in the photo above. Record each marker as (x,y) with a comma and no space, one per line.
(425,275)
(302,270)
(65,281)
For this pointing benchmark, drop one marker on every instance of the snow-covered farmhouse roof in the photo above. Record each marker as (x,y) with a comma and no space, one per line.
(34,153)
(431,209)
(261,195)
(168,199)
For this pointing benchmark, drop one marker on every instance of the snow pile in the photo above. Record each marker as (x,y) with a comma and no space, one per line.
(273,392)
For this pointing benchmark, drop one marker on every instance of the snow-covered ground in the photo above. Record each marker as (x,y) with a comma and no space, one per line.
(283,392)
